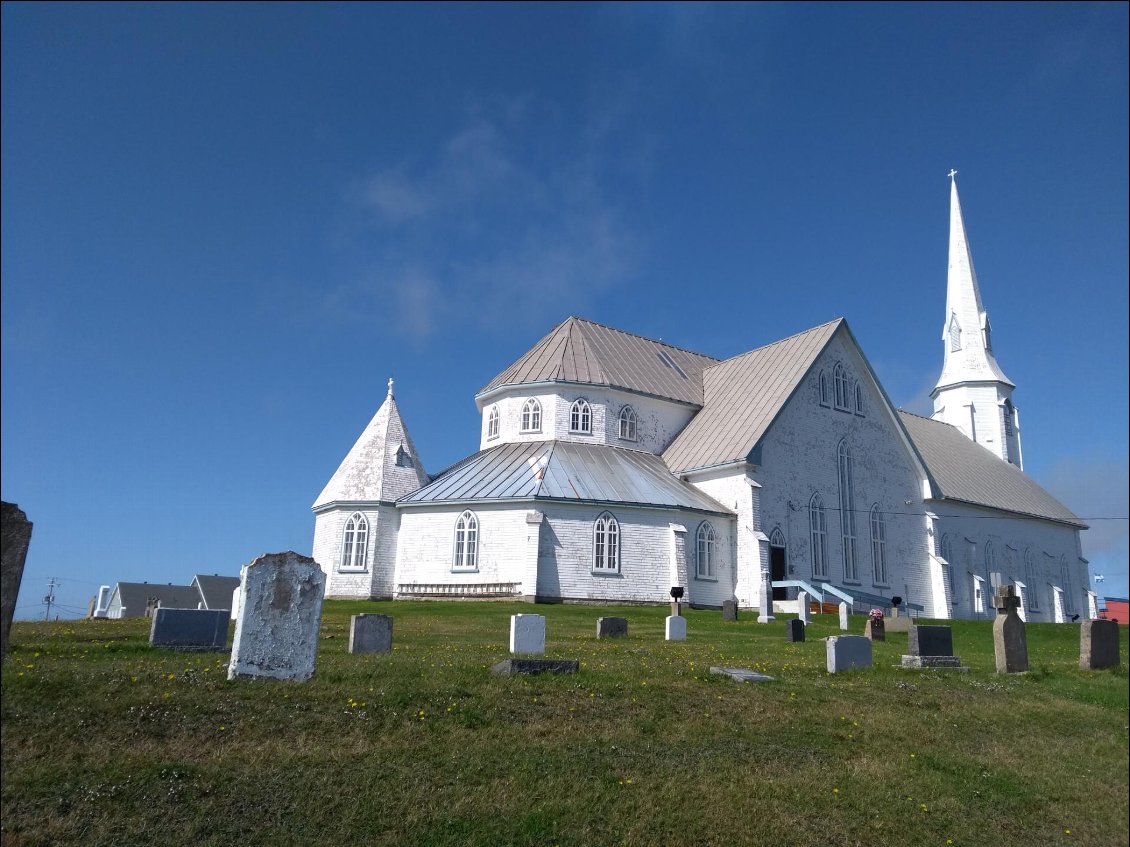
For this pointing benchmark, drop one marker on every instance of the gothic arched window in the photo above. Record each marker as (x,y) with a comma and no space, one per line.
(354,542)
(825,390)
(628,423)
(704,547)
(840,383)
(879,545)
(466,555)
(531,416)
(846,468)
(606,544)
(818,529)
(580,417)
(1030,576)
(492,422)
(954,334)
(858,399)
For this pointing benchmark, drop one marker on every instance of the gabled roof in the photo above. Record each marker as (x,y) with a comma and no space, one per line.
(382,466)
(135,595)
(216,591)
(964,470)
(588,473)
(742,397)
(581,351)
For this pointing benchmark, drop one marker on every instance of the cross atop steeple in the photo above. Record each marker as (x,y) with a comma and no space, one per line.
(952,174)
(390,386)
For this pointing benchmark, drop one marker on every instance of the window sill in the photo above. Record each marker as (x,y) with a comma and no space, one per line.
(352,570)
(604,573)
(629,440)
(580,432)
(852,582)
(464,570)
(529,432)
(705,578)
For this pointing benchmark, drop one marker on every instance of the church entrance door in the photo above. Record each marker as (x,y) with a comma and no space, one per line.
(777,570)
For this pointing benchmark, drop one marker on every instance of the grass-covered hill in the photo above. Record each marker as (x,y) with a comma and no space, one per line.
(108,742)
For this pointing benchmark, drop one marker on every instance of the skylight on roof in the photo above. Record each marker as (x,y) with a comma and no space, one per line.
(666,359)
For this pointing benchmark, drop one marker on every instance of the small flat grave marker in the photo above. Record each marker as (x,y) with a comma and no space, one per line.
(511,667)
(743,675)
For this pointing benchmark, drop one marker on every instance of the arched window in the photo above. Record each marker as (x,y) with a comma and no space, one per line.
(354,543)
(466,557)
(840,382)
(879,544)
(531,416)
(1030,576)
(492,422)
(846,468)
(825,390)
(818,528)
(858,399)
(946,551)
(1068,592)
(776,537)
(404,458)
(990,558)
(1009,417)
(628,423)
(954,333)
(580,417)
(704,545)
(606,544)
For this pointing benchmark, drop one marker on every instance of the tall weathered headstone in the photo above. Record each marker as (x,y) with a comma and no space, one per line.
(844,617)
(848,652)
(15,534)
(527,634)
(1010,644)
(1098,645)
(280,612)
(370,634)
(729,610)
(803,609)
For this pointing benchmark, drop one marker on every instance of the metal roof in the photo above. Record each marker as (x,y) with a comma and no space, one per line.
(569,471)
(135,595)
(581,351)
(964,470)
(743,396)
(216,591)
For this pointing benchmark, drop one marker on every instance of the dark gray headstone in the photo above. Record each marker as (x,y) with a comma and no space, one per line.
(189,629)
(927,662)
(729,610)
(930,641)
(15,535)
(794,630)
(510,667)
(370,634)
(611,627)
(847,652)
(875,629)
(1098,645)
(1010,644)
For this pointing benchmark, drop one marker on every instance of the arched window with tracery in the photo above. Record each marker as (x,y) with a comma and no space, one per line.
(1030,576)
(846,469)
(466,554)
(628,423)
(492,422)
(704,547)
(818,529)
(531,416)
(580,417)
(840,383)
(825,390)
(879,544)
(606,544)
(354,543)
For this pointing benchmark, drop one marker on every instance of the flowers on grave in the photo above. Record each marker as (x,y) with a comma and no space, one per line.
(876,615)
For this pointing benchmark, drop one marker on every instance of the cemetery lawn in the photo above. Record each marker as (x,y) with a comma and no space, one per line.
(108,742)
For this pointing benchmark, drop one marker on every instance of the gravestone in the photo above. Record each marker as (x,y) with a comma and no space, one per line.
(611,627)
(189,629)
(729,610)
(897,622)
(1098,645)
(280,612)
(875,629)
(370,634)
(803,609)
(794,630)
(743,675)
(848,652)
(15,533)
(1010,644)
(930,647)
(844,617)
(676,628)
(527,634)
(512,667)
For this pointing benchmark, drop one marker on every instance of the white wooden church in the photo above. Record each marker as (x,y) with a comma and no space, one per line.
(612,467)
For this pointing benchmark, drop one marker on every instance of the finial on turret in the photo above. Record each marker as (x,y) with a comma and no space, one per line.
(390,386)
(952,174)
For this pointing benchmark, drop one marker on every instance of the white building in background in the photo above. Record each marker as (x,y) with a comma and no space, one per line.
(612,467)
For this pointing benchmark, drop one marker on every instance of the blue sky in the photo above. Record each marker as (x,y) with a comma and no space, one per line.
(226,226)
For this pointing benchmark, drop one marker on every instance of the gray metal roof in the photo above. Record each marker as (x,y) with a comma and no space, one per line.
(135,595)
(576,472)
(216,591)
(578,350)
(743,396)
(964,470)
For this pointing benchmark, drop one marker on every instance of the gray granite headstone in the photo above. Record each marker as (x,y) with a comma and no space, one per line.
(803,607)
(15,532)
(844,625)
(848,652)
(729,610)
(794,630)
(280,613)
(676,629)
(527,634)
(1098,645)
(611,627)
(189,629)
(511,667)
(370,634)
(1010,644)
(743,675)
(930,641)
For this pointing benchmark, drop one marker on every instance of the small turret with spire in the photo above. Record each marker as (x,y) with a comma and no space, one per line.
(972,392)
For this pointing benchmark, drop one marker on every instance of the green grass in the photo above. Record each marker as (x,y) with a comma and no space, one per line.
(107,742)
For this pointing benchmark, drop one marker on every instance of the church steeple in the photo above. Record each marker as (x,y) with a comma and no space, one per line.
(972,392)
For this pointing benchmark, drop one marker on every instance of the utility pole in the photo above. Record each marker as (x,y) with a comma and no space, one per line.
(50,598)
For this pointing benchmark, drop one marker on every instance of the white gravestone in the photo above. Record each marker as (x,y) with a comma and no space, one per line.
(844,616)
(676,628)
(527,634)
(803,610)
(280,612)
(847,652)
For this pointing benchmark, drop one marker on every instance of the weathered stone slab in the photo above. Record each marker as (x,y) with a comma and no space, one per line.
(370,634)
(848,652)
(1010,643)
(794,630)
(928,662)
(930,641)
(511,667)
(611,627)
(875,629)
(897,622)
(189,629)
(743,675)
(804,607)
(676,628)
(1098,645)
(527,634)
(280,612)
(729,610)
(844,617)
(15,534)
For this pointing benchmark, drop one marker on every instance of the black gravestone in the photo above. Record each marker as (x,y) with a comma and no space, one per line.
(794,630)
(930,641)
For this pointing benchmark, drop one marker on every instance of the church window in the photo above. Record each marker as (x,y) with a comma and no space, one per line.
(946,550)
(954,334)
(704,546)
(628,423)
(466,556)
(354,543)
(404,458)
(978,595)
(987,333)
(1065,576)
(818,528)
(1030,576)
(531,416)
(492,422)
(990,558)
(840,383)
(879,544)
(606,544)
(580,417)
(825,389)
(847,510)
(1009,417)
(858,399)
